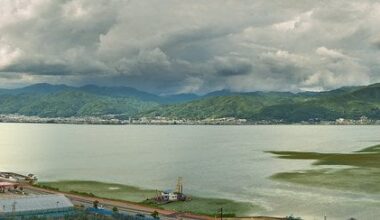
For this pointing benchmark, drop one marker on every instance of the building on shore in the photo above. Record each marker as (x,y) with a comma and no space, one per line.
(170,196)
(19,178)
(49,206)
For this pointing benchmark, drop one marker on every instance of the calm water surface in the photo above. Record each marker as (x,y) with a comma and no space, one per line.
(218,161)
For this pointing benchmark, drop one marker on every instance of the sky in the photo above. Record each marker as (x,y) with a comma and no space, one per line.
(169,47)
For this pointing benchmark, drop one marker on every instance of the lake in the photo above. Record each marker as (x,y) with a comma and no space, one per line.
(214,161)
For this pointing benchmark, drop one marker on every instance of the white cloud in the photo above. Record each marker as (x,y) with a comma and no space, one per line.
(8,55)
(298,23)
(330,53)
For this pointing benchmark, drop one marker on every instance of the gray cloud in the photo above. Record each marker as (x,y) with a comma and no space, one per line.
(376,42)
(190,46)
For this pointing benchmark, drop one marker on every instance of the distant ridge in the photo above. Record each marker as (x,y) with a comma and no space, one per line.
(37,88)
(47,100)
(119,91)
(345,102)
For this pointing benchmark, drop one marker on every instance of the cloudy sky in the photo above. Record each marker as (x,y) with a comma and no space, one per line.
(166,47)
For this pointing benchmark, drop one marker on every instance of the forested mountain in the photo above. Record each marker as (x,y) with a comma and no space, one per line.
(48,100)
(71,103)
(347,102)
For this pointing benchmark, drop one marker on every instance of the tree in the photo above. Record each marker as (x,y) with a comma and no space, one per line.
(115,209)
(154,214)
(95,204)
(291,217)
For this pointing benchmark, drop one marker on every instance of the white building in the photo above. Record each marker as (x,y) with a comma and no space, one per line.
(169,196)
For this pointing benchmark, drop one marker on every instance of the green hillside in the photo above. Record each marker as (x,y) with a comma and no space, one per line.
(240,106)
(70,103)
(347,103)
(63,101)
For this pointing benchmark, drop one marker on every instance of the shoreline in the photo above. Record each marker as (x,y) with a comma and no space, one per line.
(194,124)
(197,205)
(115,120)
(139,208)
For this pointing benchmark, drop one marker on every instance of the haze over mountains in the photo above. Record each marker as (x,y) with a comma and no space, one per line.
(46,100)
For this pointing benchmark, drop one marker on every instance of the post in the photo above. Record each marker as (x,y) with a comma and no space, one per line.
(221,213)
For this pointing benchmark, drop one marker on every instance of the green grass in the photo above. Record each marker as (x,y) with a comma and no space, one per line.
(198,205)
(210,206)
(362,173)
(368,157)
(105,190)
(350,179)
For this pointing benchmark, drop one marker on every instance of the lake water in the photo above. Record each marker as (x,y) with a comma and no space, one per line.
(218,161)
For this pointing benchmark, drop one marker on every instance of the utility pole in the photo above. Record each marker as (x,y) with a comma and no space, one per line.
(179,188)
(14,207)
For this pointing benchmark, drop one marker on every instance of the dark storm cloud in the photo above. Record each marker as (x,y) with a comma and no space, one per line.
(232,66)
(10,76)
(191,46)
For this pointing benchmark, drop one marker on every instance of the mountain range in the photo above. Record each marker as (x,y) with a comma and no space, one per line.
(47,100)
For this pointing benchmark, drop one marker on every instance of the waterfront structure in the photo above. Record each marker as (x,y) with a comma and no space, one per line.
(53,205)
(169,196)
(19,178)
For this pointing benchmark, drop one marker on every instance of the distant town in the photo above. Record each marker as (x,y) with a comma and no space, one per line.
(114,120)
